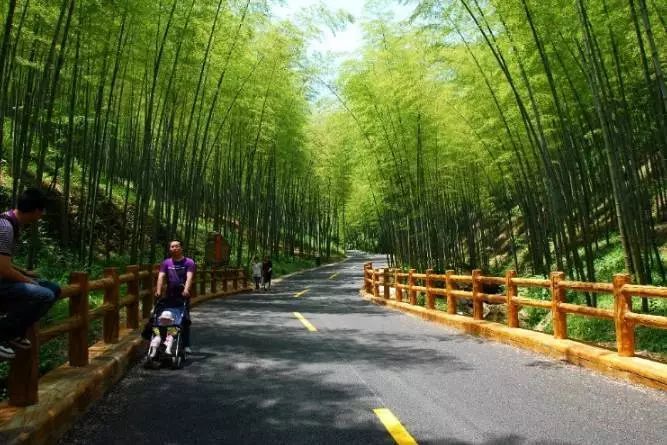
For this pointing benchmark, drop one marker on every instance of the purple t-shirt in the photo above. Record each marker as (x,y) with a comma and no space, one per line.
(177,274)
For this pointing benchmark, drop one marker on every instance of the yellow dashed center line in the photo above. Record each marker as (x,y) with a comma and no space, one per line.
(397,431)
(305,322)
(333,277)
(297,295)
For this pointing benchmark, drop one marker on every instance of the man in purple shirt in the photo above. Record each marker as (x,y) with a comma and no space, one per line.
(179,272)
(23,298)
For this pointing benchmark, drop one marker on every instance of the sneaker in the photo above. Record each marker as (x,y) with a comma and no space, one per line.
(21,343)
(6,352)
(188,350)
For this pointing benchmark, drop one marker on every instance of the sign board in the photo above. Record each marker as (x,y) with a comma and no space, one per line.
(217,250)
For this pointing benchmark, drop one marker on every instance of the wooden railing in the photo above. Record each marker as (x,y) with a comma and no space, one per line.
(138,302)
(625,320)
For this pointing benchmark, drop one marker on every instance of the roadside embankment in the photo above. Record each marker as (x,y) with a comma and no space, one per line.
(65,393)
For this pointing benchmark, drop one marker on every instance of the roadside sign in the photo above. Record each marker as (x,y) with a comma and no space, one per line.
(217,250)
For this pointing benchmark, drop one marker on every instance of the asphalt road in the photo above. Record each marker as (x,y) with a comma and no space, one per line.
(259,376)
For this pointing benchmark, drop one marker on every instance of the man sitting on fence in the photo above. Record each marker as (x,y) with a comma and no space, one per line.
(23,298)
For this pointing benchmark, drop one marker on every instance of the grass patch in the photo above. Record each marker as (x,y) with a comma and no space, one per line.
(590,329)
(652,340)
(288,265)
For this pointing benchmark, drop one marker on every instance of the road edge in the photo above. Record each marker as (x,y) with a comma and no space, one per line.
(632,369)
(283,277)
(67,392)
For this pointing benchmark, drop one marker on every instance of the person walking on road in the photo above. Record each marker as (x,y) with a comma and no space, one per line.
(23,298)
(267,270)
(179,271)
(256,272)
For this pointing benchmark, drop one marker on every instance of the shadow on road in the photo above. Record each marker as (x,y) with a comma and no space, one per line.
(258,377)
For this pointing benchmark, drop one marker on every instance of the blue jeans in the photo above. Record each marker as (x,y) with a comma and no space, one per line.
(23,304)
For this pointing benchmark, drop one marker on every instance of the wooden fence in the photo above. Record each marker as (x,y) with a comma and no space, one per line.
(625,320)
(138,302)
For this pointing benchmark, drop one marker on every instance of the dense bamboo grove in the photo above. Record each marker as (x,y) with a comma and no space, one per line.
(534,128)
(486,134)
(186,115)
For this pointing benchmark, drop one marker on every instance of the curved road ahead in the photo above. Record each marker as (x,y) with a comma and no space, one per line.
(259,376)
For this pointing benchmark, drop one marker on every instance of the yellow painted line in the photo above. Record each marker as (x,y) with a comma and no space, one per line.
(305,322)
(397,431)
(333,277)
(297,295)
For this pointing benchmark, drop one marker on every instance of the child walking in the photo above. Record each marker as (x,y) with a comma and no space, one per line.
(256,272)
(267,270)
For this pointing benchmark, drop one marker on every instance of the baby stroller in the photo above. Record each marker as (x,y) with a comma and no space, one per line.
(166,341)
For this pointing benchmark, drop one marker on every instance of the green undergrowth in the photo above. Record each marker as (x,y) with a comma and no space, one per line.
(288,265)
(610,261)
(55,265)
(649,342)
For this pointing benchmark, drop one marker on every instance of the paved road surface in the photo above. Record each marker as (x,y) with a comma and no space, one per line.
(258,376)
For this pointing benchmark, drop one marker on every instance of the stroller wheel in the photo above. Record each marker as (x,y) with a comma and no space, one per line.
(177,362)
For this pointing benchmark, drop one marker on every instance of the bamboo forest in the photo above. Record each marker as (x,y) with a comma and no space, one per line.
(490,134)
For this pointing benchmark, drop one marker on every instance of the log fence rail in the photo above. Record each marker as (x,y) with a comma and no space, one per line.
(625,320)
(23,379)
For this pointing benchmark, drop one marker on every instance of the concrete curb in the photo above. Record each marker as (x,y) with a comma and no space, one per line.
(633,369)
(65,393)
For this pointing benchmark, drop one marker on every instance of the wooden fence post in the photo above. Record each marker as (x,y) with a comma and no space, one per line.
(477,302)
(23,379)
(368,273)
(214,280)
(244,278)
(225,275)
(430,300)
(235,282)
(386,278)
(132,310)
(451,299)
(201,279)
(111,317)
(376,284)
(512,308)
(397,282)
(558,296)
(77,344)
(147,288)
(412,294)
(625,330)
